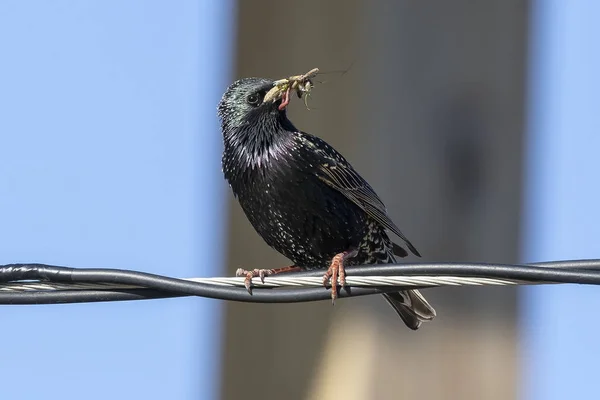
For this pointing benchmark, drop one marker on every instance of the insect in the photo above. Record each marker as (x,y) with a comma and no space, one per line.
(302,84)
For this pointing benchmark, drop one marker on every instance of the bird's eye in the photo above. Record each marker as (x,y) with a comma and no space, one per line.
(253,99)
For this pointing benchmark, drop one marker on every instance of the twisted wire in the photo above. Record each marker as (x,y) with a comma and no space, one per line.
(48,284)
(280,282)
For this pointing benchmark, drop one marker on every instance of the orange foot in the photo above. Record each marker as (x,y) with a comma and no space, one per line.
(261,273)
(337,272)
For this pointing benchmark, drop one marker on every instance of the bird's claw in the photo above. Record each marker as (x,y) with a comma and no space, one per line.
(261,273)
(337,273)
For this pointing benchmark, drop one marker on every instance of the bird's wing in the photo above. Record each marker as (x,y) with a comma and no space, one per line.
(336,172)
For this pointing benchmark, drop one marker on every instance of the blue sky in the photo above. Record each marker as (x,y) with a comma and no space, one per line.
(559,329)
(110,154)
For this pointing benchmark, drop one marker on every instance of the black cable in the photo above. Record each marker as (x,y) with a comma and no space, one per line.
(157,286)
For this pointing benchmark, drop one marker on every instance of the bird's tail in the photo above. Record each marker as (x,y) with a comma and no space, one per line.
(411,306)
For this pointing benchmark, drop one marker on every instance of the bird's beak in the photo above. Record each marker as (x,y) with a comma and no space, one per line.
(278,92)
(274,94)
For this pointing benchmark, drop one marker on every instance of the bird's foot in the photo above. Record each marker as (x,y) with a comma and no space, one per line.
(337,272)
(261,273)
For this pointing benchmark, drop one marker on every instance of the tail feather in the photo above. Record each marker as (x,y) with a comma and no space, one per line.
(399,250)
(412,307)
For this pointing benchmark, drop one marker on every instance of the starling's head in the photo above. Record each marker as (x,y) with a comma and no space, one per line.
(244,103)
(252,123)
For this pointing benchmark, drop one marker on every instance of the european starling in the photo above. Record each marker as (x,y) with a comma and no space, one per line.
(303,198)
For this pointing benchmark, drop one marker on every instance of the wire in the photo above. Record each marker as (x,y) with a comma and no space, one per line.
(278,282)
(48,284)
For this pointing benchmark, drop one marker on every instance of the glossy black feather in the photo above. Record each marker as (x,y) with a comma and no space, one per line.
(301,196)
(340,175)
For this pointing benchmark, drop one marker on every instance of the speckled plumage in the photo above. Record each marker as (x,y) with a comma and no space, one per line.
(301,196)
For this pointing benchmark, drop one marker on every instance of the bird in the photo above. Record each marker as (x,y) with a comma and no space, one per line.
(304,198)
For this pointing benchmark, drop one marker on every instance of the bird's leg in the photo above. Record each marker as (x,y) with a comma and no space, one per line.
(261,273)
(336,270)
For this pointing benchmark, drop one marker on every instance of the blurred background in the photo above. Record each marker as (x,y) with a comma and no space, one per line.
(476,122)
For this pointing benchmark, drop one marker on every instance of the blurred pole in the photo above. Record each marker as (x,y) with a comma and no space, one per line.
(559,329)
(109,152)
(431,113)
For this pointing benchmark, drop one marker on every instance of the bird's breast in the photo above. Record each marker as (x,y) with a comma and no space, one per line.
(297,214)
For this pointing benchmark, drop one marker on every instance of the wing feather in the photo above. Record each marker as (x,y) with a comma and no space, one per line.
(342,177)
